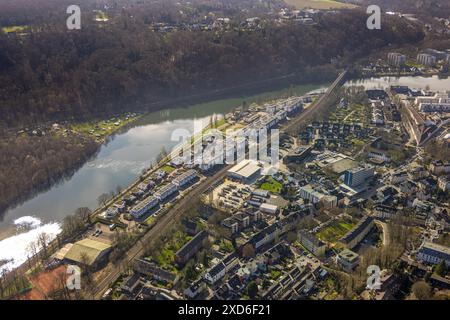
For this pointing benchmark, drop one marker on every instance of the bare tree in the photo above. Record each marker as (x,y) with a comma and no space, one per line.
(422,290)
(248,251)
(83,214)
(43,241)
(103,199)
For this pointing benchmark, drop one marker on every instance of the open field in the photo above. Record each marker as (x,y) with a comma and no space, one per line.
(271,185)
(45,283)
(101,129)
(167,168)
(334,231)
(319,4)
(14,29)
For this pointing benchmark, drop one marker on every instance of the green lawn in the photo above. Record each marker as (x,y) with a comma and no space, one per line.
(271,185)
(14,29)
(168,169)
(414,64)
(102,128)
(226,246)
(166,256)
(319,4)
(220,123)
(333,232)
(275,274)
(149,220)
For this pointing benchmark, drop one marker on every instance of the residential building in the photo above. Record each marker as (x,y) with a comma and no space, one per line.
(348,260)
(438,167)
(195,289)
(358,233)
(384,212)
(131,283)
(265,236)
(191,248)
(312,243)
(426,59)
(357,176)
(242,219)
(398,177)
(396,59)
(437,98)
(219,270)
(389,285)
(230,225)
(439,55)
(378,157)
(434,107)
(144,207)
(444,183)
(166,191)
(417,173)
(433,253)
(315,196)
(185,178)
(150,269)
(216,273)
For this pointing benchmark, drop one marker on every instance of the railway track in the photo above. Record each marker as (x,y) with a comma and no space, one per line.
(178,209)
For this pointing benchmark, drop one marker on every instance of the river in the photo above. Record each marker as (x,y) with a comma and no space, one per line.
(118,163)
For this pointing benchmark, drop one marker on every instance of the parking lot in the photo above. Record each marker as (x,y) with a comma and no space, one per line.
(230,194)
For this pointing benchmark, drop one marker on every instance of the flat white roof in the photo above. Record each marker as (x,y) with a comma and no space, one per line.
(269,206)
(245,168)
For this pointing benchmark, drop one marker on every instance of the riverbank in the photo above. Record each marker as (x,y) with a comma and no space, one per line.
(122,159)
(103,134)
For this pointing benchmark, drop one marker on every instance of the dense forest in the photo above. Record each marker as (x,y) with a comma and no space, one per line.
(48,73)
(52,73)
(28,163)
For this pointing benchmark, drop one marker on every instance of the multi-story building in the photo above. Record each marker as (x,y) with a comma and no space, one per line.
(434,107)
(265,236)
(417,173)
(396,59)
(433,253)
(191,248)
(438,98)
(312,243)
(144,206)
(315,196)
(444,183)
(438,167)
(426,59)
(439,55)
(399,177)
(348,260)
(219,270)
(185,178)
(358,233)
(165,192)
(357,176)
